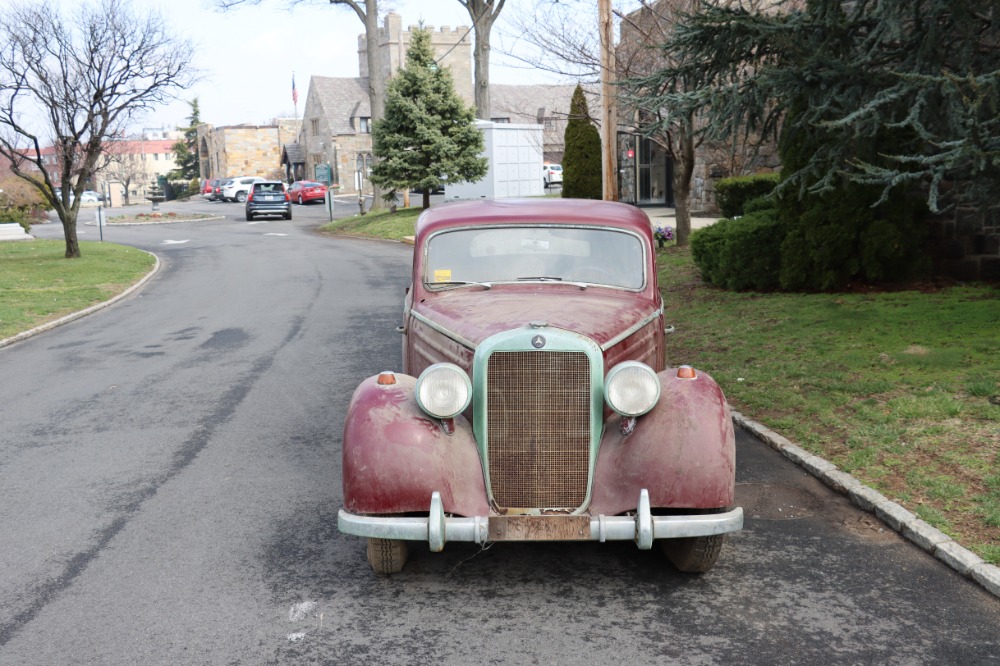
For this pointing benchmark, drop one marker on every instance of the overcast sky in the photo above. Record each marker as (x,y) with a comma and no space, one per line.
(248,53)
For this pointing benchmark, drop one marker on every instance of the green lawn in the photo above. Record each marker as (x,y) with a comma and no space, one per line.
(380,224)
(37,284)
(897,388)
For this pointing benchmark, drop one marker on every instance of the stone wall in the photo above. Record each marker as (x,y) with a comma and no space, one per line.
(966,246)
(244,150)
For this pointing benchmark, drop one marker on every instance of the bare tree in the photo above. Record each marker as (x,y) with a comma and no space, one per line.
(87,76)
(125,164)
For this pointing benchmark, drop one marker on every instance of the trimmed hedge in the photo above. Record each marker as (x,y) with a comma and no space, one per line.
(732,194)
(742,254)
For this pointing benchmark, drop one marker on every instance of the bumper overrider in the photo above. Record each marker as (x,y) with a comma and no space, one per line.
(437,528)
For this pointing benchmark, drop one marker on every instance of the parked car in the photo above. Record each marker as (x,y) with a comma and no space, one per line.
(304,191)
(217,190)
(211,190)
(534,400)
(90,196)
(236,189)
(552,175)
(268,197)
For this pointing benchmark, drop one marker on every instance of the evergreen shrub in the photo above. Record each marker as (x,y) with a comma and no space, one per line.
(742,254)
(836,238)
(733,193)
(582,154)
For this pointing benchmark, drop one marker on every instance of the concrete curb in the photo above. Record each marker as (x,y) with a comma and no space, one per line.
(24,335)
(925,536)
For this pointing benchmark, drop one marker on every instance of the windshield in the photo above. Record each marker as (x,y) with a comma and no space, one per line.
(535,253)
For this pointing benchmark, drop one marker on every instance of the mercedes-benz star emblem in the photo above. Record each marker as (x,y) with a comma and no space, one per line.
(538,342)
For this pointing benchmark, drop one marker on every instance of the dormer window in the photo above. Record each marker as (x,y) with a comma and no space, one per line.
(365,125)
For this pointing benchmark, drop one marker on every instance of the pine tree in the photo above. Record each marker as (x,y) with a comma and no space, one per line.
(186,150)
(427,135)
(582,156)
(929,70)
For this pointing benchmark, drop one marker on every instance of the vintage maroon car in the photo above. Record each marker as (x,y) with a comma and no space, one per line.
(535,401)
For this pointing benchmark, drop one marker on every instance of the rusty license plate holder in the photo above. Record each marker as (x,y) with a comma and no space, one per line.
(539,528)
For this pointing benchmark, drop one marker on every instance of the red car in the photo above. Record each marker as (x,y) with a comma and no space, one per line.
(535,401)
(209,188)
(304,191)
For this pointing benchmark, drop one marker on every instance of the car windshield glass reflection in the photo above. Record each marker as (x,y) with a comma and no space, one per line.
(535,253)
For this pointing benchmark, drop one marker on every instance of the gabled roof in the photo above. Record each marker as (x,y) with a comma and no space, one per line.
(293,153)
(530,103)
(342,99)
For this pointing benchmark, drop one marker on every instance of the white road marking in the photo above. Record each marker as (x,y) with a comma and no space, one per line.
(274,234)
(173,242)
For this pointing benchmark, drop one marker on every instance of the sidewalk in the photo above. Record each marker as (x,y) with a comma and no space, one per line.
(661,215)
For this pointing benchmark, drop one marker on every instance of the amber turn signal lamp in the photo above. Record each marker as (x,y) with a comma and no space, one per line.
(386,378)
(686,372)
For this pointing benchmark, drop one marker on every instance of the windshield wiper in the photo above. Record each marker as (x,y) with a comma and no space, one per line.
(553,278)
(460,283)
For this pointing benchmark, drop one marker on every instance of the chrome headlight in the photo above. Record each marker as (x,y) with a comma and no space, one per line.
(443,390)
(631,388)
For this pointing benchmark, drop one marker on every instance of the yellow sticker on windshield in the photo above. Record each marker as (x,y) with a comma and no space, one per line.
(442,275)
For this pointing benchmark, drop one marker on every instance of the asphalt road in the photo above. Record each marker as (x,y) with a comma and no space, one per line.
(170,478)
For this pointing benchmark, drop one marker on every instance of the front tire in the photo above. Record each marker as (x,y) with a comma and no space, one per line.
(387,556)
(694,554)
(300,199)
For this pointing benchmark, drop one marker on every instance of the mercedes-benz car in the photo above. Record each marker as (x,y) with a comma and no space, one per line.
(535,401)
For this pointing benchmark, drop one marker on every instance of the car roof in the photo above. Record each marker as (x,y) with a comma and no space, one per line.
(533,211)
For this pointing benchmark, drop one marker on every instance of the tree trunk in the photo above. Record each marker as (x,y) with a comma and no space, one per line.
(683,170)
(483,13)
(481,60)
(72,244)
(426,198)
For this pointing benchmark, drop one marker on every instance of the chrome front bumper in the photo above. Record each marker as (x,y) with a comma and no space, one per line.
(437,528)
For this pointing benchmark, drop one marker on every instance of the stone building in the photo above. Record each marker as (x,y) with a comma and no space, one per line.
(336,121)
(245,150)
(336,124)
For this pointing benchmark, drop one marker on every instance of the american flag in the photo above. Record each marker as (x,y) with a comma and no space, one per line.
(295,93)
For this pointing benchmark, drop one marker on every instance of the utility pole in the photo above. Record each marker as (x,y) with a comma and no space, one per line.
(609,105)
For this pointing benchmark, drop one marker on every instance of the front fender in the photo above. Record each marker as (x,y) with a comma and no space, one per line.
(683,452)
(395,456)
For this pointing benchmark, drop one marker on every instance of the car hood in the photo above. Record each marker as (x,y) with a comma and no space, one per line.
(472,314)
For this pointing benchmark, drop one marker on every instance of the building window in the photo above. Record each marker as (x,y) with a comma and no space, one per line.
(317,158)
(314,126)
(500,120)
(550,123)
(365,125)
(156,157)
